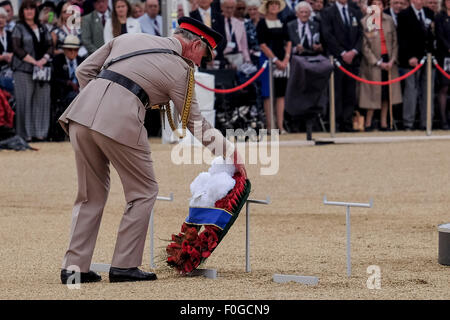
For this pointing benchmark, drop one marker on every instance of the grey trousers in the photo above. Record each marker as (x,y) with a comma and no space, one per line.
(93,154)
(32,106)
(416,94)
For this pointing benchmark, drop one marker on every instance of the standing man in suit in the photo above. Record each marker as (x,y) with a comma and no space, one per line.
(342,34)
(105,125)
(394,9)
(415,39)
(151,22)
(235,33)
(92,26)
(304,33)
(213,20)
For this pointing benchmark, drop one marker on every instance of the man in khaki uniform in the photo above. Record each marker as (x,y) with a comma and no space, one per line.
(105,123)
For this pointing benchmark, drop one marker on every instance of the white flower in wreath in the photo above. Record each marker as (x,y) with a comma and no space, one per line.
(427,22)
(208,187)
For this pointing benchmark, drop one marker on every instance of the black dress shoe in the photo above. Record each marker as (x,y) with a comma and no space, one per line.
(130,274)
(84,277)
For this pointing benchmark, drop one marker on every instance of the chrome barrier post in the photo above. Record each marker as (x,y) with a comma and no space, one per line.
(429,93)
(332,102)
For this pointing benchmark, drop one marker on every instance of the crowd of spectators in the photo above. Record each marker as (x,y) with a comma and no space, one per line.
(41,47)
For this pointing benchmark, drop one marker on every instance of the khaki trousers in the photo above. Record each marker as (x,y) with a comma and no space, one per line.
(93,153)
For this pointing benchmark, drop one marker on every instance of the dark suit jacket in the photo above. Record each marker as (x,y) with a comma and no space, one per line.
(92,32)
(442,23)
(414,40)
(60,77)
(287,15)
(337,37)
(8,49)
(218,25)
(294,36)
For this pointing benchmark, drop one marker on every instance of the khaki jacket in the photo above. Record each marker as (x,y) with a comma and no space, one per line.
(370,95)
(115,112)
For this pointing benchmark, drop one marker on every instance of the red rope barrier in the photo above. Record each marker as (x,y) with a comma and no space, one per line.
(441,70)
(380,83)
(242,86)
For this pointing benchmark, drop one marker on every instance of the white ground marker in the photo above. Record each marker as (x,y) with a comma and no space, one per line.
(283,278)
(347,205)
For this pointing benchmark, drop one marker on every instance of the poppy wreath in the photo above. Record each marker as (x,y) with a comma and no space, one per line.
(205,228)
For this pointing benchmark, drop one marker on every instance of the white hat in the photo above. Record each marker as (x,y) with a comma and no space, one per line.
(71,42)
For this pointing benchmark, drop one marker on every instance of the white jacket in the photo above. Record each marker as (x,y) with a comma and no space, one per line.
(133,26)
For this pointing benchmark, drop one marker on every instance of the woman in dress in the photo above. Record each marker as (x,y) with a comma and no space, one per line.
(121,21)
(380,51)
(32,48)
(276,47)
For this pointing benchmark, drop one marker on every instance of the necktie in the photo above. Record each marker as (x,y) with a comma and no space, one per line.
(156,27)
(207,18)
(103,19)
(421,19)
(72,71)
(344,12)
(233,37)
(305,37)
(293,5)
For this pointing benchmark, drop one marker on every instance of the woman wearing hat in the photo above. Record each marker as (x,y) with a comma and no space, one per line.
(121,21)
(275,46)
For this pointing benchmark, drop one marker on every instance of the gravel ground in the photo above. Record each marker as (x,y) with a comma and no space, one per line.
(296,234)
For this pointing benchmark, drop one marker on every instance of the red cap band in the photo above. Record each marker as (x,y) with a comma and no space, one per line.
(199,32)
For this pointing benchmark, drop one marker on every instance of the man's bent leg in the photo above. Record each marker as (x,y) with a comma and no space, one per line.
(93,189)
(135,168)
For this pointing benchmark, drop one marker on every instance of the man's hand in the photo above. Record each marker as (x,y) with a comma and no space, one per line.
(317,47)
(300,49)
(413,62)
(239,164)
(349,56)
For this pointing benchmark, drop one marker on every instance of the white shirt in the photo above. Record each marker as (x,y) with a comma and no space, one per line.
(4,41)
(307,30)
(202,13)
(393,15)
(340,7)
(417,13)
(106,15)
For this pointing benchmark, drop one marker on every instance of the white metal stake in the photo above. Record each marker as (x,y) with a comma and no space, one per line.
(247,229)
(347,206)
(349,263)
